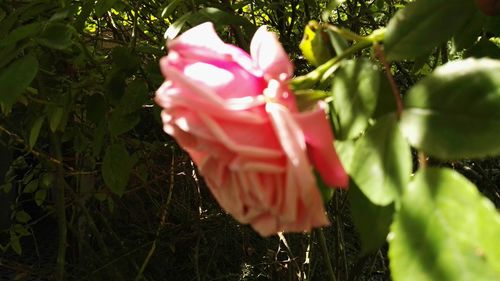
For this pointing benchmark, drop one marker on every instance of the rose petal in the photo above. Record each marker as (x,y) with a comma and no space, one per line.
(269,55)
(320,147)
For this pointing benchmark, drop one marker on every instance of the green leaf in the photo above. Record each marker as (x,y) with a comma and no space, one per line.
(423,25)
(40,196)
(23,217)
(35,131)
(136,95)
(469,33)
(354,96)
(55,117)
(170,8)
(16,77)
(455,112)
(371,221)
(102,6)
(15,244)
(120,123)
(57,36)
(445,230)
(125,59)
(95,108)
(174,29)
(382,162)
(31,187)
(116,168)
(20,33)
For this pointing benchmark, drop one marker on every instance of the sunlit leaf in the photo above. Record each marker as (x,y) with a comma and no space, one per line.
(423,25)
(382,162)
(355,89)
(455,112)
(444,230)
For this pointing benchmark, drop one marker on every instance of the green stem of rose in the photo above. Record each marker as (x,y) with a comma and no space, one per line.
(322,72)
(326,255)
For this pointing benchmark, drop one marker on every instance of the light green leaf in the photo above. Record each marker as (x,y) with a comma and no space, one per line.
(445,230)
(455,112)
(57,36)
(16,77)
(35,131)
(355,89)
(116,168)
(372,222)
(382,162)
(423,25)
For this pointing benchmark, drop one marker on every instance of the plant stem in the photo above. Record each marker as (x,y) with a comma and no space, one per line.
(394,87)
(326,256)
(318,75)
(163,218)
(60,209)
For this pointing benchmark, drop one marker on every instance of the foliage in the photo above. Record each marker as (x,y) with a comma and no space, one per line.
(93,189)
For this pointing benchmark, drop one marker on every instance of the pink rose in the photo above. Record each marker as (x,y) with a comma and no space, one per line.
(236,117)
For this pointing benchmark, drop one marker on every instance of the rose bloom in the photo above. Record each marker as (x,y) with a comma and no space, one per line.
(238,120)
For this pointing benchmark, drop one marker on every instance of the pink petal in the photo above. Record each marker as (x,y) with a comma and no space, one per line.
(269,55)
(320,147)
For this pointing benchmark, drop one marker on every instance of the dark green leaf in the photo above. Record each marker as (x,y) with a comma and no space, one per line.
(455,112)
(469,33)
(354,91)
(484,48)
(35,131)
(444,230)
(423,25)
(15,244)
(125,60)
(95,108)
(57,36)
(371,221)
(23,217)
(102,6)
(382,162)
(16,77)
(136,95)
(116,168)
(20,33)
(40,196)
(55,116)
(31,186)
(120,123)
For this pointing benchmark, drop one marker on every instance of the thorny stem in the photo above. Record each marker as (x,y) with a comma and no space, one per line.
(326,256)
(394,87)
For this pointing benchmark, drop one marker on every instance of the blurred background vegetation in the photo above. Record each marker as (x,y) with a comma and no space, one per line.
(90,186)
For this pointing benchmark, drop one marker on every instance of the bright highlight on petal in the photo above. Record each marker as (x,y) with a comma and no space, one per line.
(208,74)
